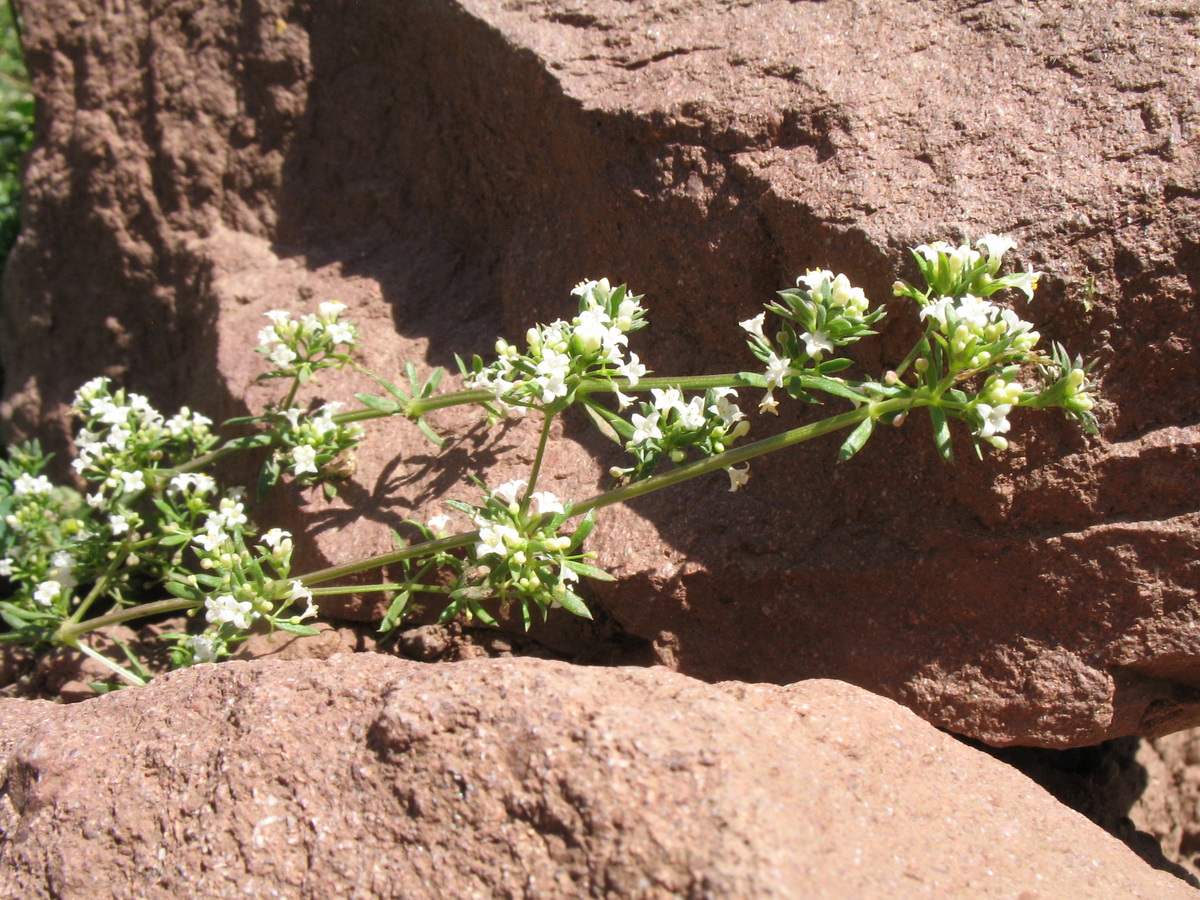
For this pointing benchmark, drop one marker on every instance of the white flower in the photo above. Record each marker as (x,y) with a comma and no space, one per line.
(341,333)
(815,343)
(665,401)
(769,404)
(132,482)
(227,608)
(268,336)
(437,524)
(594,332)
(203,649)
(624,401)
(633,370)
(278,316)
(304,459)
(297,591)
(842,293)
(118,524)
(778,371)
(691,416)
(755,327)
(737,477)
(47,592)
(212,539)
(645,428)
(1026,282)
(814,279)
(282,356)
(509,490)
(995,419)
(277,538)
(330,310)
(728,413)
(27,484)
(547,503)
(6,567)
(995,247)
(231,514)
(497,539)
(551,374)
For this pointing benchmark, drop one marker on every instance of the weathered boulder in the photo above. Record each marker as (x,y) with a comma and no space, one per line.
(450,169)
(365,776)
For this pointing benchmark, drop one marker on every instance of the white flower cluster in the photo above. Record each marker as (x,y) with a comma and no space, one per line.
(520,553)
(312,340)
(978,331)
(954,271)
(591,345)
(670,425)
(123,432)
(824,312)
(312,440)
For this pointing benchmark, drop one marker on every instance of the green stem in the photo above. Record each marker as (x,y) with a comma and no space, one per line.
(374,588)
(749,451)
(100,586)
(133,679)
(69,632)
(429,548)
(547,421)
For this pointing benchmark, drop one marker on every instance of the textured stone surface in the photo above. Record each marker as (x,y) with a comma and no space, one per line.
(362,776)
(450,169)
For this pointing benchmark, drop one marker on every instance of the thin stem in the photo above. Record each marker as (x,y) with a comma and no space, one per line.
(100,585)
(429,548)
(375,588)
(748,452)
(69,632)
(547,421)
(135,680)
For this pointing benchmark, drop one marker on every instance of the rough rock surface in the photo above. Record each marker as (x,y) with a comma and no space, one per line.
(362,776)
(450,169)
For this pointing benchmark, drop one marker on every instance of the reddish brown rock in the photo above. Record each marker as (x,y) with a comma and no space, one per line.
(204,162)
(363,776)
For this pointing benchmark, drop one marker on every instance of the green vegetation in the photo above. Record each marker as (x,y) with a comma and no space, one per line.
(16,127)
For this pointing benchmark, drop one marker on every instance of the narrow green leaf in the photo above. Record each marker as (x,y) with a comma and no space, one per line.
(857,440)
(426,430)
(584,529)
(302,630)
(573,604)
(249,442)
(588,571)
(185,591)
(395,612)
(382,404)
(831,386)
(941,433)
(268,475)
(465,508)
(431,384)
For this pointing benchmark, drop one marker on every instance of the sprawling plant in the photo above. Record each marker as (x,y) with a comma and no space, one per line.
(152,518)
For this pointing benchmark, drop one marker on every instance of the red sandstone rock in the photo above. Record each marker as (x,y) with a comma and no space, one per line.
(363,776)
(450,169)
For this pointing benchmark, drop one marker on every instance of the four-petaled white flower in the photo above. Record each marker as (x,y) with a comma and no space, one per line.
(816,343)
(228,609)
(633,370)
(132,482)
(755,327)
(304,459)
(437,524)
(645,428)
(204,649)
(277,539)
(737,477)
(498,539)
(547,503)
(778,371)
(995,419)
(118,524)
(46,592)
(509,490)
